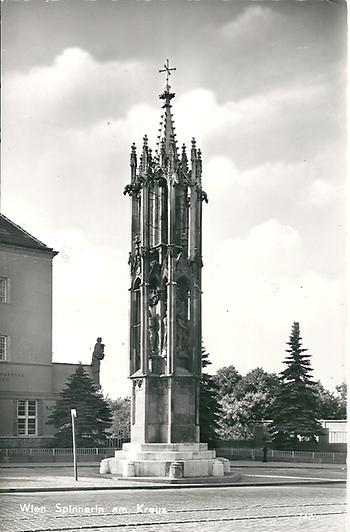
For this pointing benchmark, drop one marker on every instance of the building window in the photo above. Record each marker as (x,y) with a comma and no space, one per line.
(4,290)
(27,418)
(3,348)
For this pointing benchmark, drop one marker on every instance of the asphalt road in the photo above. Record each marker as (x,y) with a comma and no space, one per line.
(290,474)
(318,508)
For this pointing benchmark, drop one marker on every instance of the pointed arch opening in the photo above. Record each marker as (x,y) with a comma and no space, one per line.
(135,339)
(183,324)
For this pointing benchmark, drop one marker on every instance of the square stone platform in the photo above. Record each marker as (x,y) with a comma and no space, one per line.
(173,460)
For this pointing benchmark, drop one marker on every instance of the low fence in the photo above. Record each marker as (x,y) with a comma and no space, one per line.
(117,441)
(281,456)
(90,454)
(95,454)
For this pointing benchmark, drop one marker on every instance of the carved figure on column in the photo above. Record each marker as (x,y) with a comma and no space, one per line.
(135,259)
(154,323)
(164,337)
(182,323)
(154,269)
(182,332)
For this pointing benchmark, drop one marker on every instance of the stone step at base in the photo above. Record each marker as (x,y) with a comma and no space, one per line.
(127,467)
(168,456)
(208,481)
(155,447)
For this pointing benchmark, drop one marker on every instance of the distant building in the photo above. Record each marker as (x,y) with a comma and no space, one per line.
(29,381)
(335,430)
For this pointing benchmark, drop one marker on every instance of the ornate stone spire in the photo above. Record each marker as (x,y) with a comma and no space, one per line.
(145,154)
(184,160)
(167,135)
(133,162)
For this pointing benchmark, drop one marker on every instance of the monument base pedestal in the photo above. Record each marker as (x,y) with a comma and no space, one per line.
(172,460)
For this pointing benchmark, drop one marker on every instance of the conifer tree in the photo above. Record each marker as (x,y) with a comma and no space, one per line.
(294,412)
(209,406)
(94,416)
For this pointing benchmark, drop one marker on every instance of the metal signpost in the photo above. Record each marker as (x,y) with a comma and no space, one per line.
(73,414)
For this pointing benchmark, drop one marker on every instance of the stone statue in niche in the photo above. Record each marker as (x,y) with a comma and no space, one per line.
(163,323)
(182,332)
(181,252)
(135,258)
(182,323)
(164,337)
(154,269)
(154,322)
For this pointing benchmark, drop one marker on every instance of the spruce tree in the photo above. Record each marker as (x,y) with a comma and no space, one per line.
(294,412)
(209,406)
(94,416)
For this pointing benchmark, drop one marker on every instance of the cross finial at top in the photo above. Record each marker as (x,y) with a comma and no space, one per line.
(168,70)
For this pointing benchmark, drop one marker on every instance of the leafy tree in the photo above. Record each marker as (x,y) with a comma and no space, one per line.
(234,423)
(121,416)
(93,412)
(342,397)
(227,379)
(249,403)
(258,380)
(329,406)
(295,409)
(209,406)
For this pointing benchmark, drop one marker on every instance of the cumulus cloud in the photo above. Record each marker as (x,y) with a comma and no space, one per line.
(307,195)
(85,290)
(255,25)
(259,285)
(72,123)
(267,45)
(321,194)
(273,177)
(74,91)
(301,184)
(284,123)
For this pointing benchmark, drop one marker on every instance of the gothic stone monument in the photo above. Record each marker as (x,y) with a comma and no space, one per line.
(165,311)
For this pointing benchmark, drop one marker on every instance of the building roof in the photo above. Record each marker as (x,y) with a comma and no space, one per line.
(13,235)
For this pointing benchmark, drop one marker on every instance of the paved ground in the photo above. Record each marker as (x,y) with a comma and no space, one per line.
(61,476)
(286,508)
(269,508)
(233,463)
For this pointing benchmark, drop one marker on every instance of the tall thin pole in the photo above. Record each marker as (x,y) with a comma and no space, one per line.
(73,413)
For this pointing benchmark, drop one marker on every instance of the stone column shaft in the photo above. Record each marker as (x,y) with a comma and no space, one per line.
(171,298)
(131,334)
(144,283)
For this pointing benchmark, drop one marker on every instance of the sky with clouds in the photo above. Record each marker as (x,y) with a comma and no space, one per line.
(261,85)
